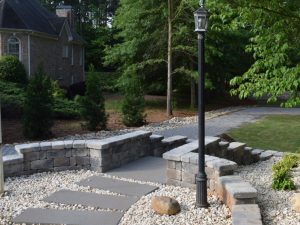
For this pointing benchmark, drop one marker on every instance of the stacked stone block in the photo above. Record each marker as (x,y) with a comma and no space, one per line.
(101,155)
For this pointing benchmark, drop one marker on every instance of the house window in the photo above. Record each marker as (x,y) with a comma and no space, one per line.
(81,57)
(65,51)
(14,47)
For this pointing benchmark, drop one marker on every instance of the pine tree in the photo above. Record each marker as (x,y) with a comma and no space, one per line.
(38,108)
(133,105)
(93,103)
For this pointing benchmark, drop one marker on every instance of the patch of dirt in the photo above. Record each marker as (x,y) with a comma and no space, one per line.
(12,128)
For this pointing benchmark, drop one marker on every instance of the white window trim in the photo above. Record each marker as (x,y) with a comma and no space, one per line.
(20,46)
(65,47)
(72,57)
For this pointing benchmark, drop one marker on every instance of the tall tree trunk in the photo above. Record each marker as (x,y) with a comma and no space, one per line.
(169,91)
(193,93)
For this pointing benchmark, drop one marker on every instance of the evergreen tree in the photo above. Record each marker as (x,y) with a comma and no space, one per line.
(133,105)
(93,104)
(38,107)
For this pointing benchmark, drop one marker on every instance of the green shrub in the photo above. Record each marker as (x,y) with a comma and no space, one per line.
(12,99)
(38,107)
(92,104)
(12,70)
(282,179)
(66,109)
(133,105)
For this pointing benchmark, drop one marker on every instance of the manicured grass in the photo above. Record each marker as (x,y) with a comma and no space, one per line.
(280,132)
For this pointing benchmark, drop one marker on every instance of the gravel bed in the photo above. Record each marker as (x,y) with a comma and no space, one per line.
(275,205)
(142,214)
(38,186)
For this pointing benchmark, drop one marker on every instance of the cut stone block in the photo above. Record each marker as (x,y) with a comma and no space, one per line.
(79,144)
(238,151)
(68,144)
(117,186)
(256,154)
(46,146)
(32,147)
(246,214)
(266,155)
(12,159)
(92,199)
(177,153)
(117,140)
(173,139)
(58,145)
(57,217)
(155,137)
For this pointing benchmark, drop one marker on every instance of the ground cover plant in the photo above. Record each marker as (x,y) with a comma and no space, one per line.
(278,132)
(282,179)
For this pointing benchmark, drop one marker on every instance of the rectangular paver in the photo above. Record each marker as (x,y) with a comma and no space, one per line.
(117,186)
(91,199)
(149,168)
(51,216)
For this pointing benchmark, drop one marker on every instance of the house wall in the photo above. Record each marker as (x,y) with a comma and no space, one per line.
(24,46)
(49,53)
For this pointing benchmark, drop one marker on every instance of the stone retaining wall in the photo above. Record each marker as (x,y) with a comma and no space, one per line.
(239,195)
(100,155)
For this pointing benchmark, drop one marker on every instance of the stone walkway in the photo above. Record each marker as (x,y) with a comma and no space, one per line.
(109,209)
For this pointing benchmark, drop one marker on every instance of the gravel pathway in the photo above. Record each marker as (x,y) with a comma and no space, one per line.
(275,205)
(38,186)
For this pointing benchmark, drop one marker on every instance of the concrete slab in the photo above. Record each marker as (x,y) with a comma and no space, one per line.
(151,169)
(117,186)
(91,199)
(51,217)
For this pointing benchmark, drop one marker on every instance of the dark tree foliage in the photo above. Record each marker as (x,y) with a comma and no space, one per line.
(38,107)
(93,104)
(12,70)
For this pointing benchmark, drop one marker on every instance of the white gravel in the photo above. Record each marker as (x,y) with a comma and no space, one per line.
(28,191)
(142,214)
(275,205)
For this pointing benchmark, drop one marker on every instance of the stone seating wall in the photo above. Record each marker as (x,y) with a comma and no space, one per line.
(101,155)
(221,160)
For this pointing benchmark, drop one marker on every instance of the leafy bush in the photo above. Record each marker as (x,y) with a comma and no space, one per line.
(12,99)
(38,107)
(133,105)
(92,104)
(66,109)
(12,70)
(282,179)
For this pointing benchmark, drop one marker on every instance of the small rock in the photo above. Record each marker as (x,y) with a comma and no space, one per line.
(296,202)
(165,205)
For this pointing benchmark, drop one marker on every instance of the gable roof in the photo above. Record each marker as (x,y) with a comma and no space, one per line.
(31,15)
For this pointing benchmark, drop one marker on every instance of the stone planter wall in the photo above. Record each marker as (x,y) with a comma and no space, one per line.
(100,155)
(239,195)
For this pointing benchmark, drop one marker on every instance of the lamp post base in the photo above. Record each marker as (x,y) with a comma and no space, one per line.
(201,185)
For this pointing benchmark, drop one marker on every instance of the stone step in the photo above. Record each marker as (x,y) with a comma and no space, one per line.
(91,199)
(246,215)
(117,186)
(266,155)
(235,191)
(256,154)
(235,152)
(57,217)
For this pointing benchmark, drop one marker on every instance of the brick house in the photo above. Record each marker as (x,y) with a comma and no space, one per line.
(36,36)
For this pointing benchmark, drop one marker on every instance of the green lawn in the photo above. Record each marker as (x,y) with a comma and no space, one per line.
(280,132)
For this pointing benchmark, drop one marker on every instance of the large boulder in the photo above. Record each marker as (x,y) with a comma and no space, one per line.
(165,205)
(296,202)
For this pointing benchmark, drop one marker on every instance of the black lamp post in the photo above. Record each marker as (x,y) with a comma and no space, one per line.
(201,22)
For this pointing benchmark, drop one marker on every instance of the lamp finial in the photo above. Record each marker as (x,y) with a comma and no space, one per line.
(202,3)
